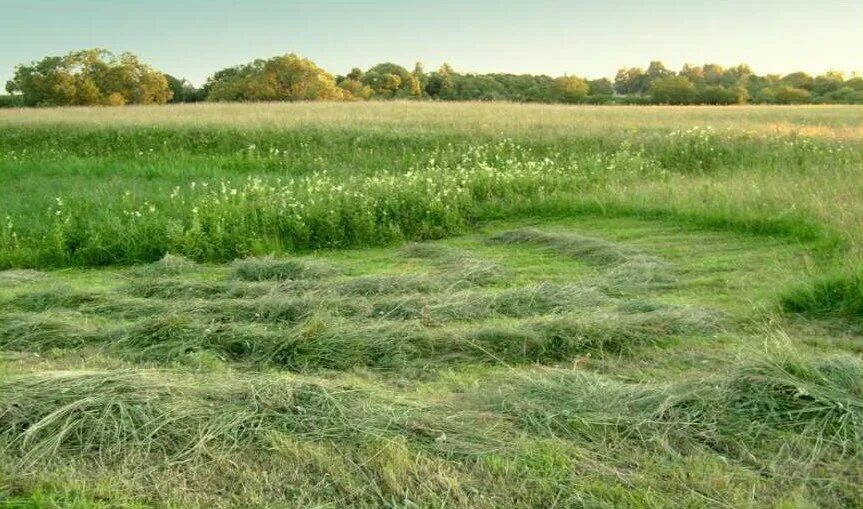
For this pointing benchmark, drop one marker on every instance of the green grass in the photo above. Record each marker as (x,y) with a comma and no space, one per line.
(375,306)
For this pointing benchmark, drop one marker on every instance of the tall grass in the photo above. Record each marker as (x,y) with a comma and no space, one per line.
(443,192)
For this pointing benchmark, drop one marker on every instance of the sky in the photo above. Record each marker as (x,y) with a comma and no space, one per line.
(590,38)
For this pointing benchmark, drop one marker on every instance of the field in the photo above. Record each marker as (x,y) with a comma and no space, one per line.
(431,305)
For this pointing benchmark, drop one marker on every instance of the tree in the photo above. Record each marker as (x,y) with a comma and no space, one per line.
(419,80)
(389,80)
(713,74)
(602,86)
(830,81)
(631,81)
(716,94)
(672,90)
(87,77)
(183,90)
(799,80)
(737,75)
(855,82)
(282,78)
(693,73)
(355,90)
(571,89)
(441,84)
(656,70)
(791,95)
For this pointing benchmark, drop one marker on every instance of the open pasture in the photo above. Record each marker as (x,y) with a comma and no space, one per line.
(431,305)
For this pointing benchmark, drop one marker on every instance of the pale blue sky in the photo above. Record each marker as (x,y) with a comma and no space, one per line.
(592,38)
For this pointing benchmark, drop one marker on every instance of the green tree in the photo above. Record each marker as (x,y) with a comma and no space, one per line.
(571,89)
(355,90)
(672,90)
(441,84)
(716,94)
(602,86)
(799,80)
(631,81)
(183,90)
(389,80)
(694,73)
(93,76)
(830,81)
(657,70)
(791,95)
(282,78)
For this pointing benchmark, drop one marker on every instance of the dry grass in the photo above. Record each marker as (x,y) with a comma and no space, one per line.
(490,119)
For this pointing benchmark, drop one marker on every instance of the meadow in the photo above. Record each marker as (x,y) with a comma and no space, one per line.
(408,304)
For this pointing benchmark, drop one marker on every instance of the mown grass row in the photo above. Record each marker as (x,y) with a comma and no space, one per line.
(300,314)
(425,376)
(802,418)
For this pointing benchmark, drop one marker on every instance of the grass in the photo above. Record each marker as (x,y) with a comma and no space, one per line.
(372,305)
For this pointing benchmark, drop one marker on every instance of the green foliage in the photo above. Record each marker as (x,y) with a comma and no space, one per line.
(443,186)
(11,101)
(672,90)
(282,78)
(791,95)
(840,293)
(97,77)
(84,78)
(572,89)
(601,87)
(183,91)
(632,81)
(90,77)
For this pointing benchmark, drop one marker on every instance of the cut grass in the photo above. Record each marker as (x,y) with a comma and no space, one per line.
(594,340)
(628,271)
(275,269)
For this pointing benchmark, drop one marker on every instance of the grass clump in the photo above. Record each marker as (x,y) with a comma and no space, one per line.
(269,309)
(837,294)
(565,336)
(169,265)
(810,409)
(820,400)
(40,332)
(269,268)
(57,297)
(369,286)
(177,338)
(112,416)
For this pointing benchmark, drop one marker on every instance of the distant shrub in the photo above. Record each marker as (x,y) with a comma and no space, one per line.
(791,95)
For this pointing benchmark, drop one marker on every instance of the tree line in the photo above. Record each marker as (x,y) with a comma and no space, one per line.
(98,77)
